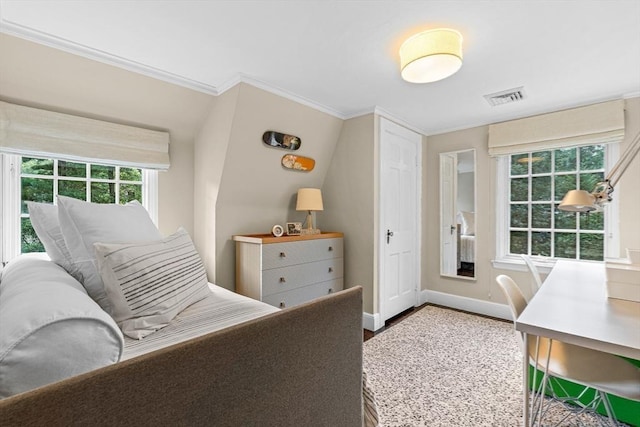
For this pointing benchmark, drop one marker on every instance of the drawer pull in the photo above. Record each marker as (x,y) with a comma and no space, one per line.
(330,248)
(283,255)
(330,290)
(282,304)
(282,280)
(330,269)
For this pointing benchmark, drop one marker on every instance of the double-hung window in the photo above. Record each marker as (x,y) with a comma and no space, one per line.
(537,183)
(39,179)
(45,153)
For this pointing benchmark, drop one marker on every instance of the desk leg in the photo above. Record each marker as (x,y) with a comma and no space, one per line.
(525,380)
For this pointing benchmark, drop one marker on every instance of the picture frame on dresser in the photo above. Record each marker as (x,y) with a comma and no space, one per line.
(294,228)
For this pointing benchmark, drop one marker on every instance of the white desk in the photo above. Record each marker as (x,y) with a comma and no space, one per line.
(572,306)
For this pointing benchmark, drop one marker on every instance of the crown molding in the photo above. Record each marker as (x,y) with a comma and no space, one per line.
(40,37)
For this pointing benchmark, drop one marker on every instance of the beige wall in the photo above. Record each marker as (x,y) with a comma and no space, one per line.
(39,76)
(348,193)
(255,191)
(485,288)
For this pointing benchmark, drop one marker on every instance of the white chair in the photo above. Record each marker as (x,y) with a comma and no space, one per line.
(603,372)
(537,280)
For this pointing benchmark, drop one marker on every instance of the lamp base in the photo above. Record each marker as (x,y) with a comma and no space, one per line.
(309,231)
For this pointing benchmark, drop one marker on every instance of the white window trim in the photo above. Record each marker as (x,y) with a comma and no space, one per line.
(513,262)
(10,203)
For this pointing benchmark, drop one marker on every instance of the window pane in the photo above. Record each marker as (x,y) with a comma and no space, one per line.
(588,181)
(520,164)
(563,183)
(37,166)
(103,172)
(541,162)
(103,192)
(592,157)
(564,220)
(565,160)
(541,243)
(520,189)
(541,216)
(592,246)
(130,174)
(36,190)
(75,189)
(592,220)
(75,170)
(519,216)
(565,245)
(518,242)
(541,188)
(29,241)
(129,192)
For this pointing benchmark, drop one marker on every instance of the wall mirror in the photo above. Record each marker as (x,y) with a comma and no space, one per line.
(457,214)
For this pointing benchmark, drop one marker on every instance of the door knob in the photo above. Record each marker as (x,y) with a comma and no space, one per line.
(389,235)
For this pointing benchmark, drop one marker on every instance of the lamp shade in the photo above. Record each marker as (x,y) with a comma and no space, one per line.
(431,55)
(578,201)
(309,199)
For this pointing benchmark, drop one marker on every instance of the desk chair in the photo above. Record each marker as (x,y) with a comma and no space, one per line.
(534,273)
(603,372)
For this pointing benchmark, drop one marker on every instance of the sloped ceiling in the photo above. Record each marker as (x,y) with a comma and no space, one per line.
(341,56)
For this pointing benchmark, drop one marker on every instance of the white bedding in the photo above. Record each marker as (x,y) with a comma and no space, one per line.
(220,310)
(467,248)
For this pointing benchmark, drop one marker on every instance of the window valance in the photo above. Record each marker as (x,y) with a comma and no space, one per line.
(593,124)
(34,132)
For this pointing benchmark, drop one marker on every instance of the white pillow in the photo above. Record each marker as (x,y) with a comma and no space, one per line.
(50,329)
(83,224)
(148,284)
(468,223)
(44,219)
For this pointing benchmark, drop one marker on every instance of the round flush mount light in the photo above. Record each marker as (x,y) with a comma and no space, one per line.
(431,55)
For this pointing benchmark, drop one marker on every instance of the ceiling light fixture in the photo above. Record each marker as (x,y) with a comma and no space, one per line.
(431,55)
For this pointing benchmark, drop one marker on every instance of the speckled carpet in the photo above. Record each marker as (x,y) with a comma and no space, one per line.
(441,367)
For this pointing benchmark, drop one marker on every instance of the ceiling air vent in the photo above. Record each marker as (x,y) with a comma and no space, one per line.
(506,96)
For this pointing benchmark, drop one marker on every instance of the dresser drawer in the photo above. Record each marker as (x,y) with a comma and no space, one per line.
(275,255)
(286,278)
(304,294)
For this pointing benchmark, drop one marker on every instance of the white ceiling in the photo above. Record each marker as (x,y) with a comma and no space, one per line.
(342,56)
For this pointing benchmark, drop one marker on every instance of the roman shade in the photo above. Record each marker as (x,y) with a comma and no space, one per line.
(593,124)
(34,132)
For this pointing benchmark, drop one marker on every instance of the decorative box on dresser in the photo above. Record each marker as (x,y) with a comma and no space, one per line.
(288,270)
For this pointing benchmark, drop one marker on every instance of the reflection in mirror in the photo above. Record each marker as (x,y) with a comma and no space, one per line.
(457,213)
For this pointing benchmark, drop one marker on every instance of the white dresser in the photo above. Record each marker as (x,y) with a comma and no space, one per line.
(288,270)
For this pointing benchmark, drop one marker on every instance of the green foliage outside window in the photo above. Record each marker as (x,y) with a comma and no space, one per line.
(538,182)
(42,179)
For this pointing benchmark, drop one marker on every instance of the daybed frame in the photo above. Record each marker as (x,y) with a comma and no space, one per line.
(301,366)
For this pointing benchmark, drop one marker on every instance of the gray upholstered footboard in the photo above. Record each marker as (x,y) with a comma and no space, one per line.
(298,367)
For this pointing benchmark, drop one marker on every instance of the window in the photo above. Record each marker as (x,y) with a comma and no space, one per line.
(536,182)
(41,179)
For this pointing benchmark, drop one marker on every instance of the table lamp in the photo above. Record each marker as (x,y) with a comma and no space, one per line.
(309,199)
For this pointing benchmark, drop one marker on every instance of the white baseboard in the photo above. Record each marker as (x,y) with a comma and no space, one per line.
(373,322)
(472,305)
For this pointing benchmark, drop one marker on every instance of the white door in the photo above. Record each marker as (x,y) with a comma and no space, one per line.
(399,216)
(448,234)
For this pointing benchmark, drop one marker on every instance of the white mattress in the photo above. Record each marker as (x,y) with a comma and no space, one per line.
(467,248)
(220,310)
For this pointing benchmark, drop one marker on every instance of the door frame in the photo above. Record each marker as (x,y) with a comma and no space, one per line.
(385,124)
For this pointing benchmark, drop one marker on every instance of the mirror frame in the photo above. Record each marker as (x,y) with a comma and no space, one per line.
(450,227)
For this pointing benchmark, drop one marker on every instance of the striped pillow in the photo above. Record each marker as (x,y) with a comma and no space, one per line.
(149,283)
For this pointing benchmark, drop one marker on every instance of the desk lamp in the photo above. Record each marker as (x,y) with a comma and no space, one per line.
(583,201)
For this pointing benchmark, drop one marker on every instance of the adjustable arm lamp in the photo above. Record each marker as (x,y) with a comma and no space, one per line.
(583,201)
